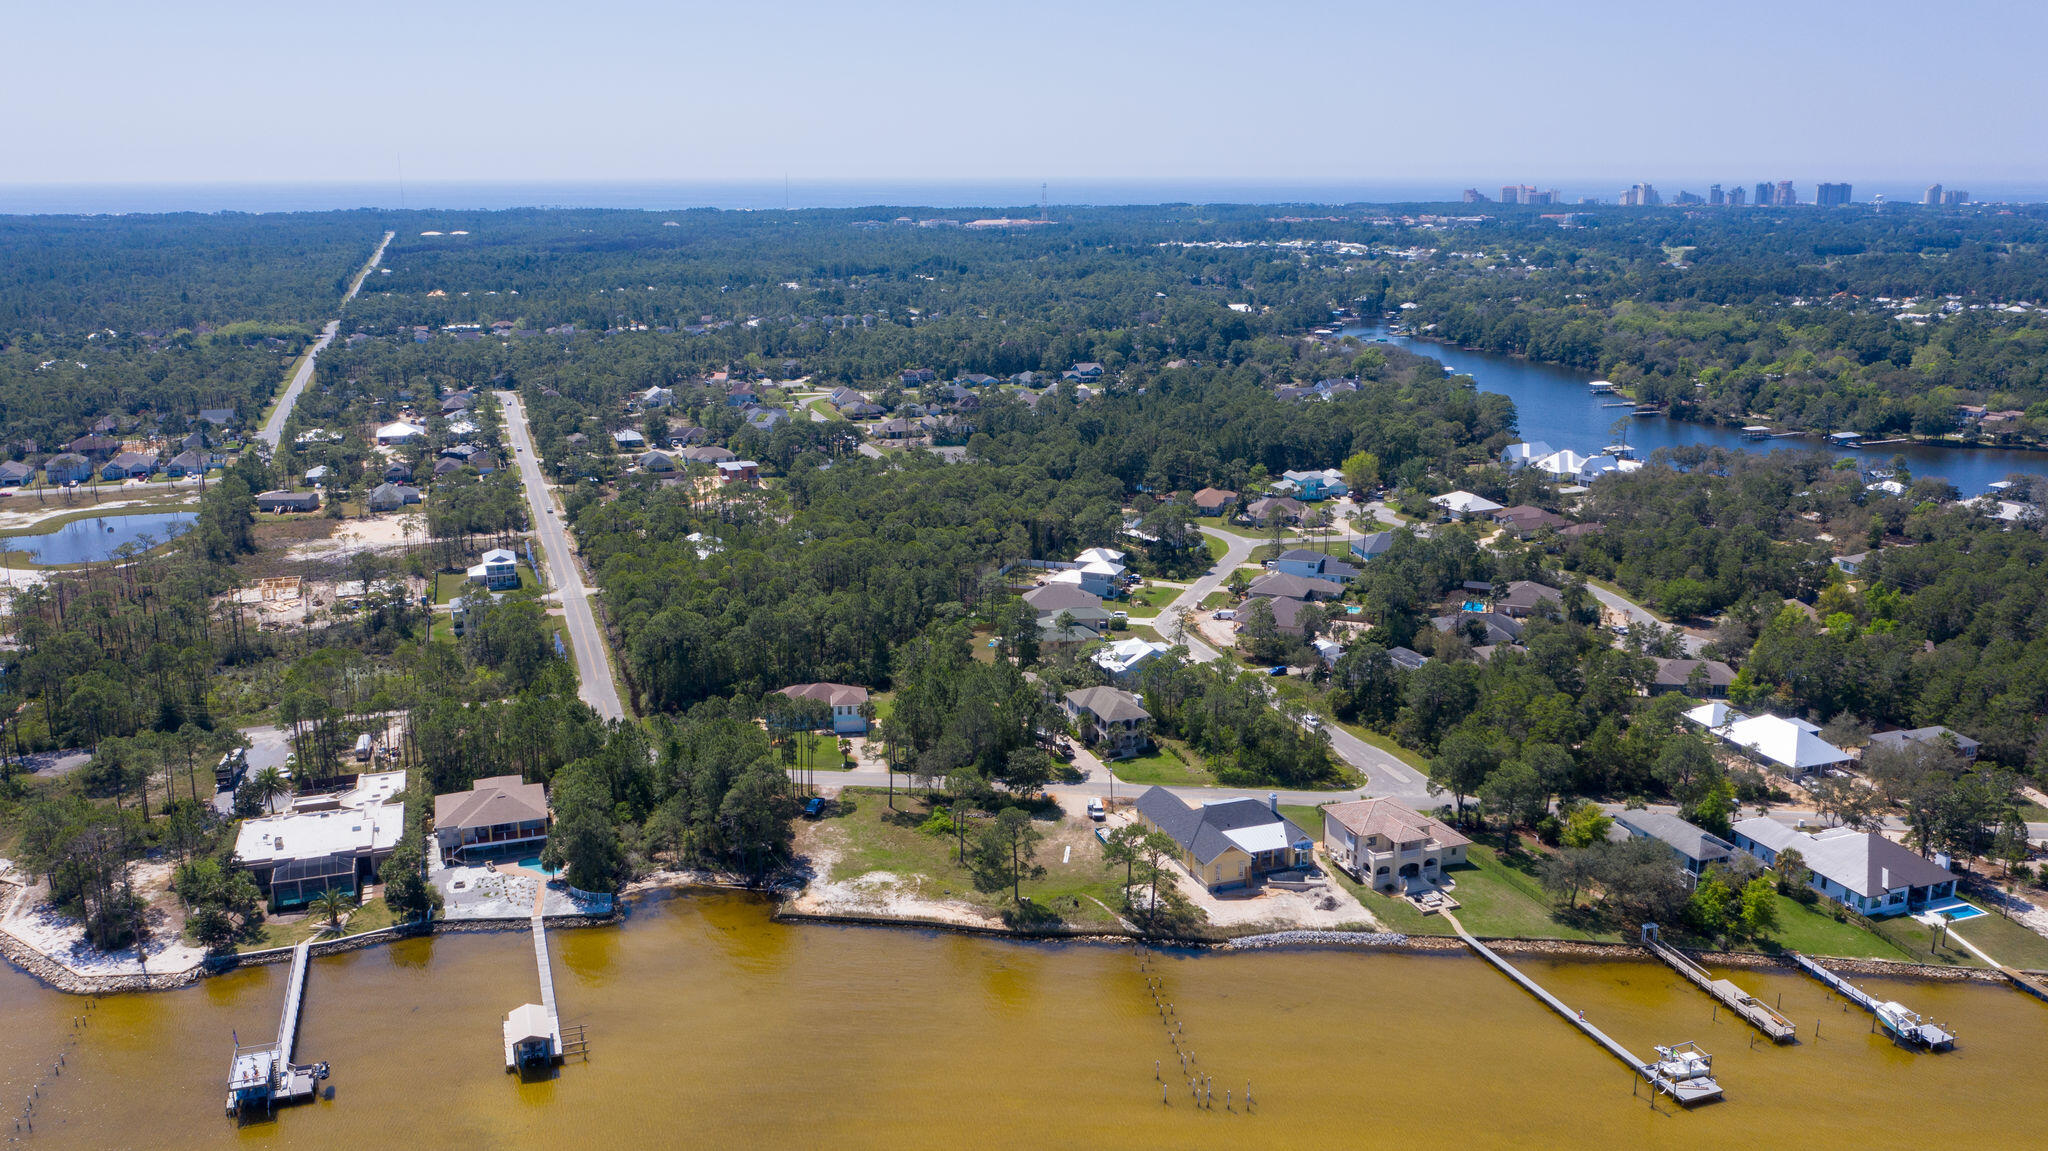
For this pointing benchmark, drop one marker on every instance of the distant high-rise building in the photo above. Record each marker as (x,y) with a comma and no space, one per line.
(1642,196)
(1955,196)
(1738,196)
(1933,194)
(1687,199)
(1787,195)
(1831,195)
(1511,193)
(1763,194)
(1475,196)
(1715,198)
(1526,194)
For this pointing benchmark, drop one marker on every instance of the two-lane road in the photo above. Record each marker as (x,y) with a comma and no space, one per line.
(273,428)
(593,664)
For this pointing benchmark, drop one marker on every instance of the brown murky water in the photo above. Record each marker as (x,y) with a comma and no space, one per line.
(710,1025)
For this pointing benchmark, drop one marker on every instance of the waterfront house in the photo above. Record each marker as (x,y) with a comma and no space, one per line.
(1111,717)
(501,814)
(1519,456)
(1311,564)
(1937,735)
(1213,501)
(1699,678)
(67,468)
(391,497)
(1860,870)
(1793,746)
(280,502)
(1227,843)
(498,571)
(1696,848)
(845,700)
(1388,845)
(330,842)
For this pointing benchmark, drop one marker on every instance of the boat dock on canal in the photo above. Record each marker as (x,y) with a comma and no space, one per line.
(1901,1024)
(264,1074)
(534,1036)
(1681,1071)
(1759,1014)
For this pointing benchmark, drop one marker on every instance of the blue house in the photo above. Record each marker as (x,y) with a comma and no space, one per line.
(1860,870)
(1323,485)
(1313,565)
(1371,546)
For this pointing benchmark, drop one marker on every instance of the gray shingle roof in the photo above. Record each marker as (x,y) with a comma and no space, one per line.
(1201,830)
(1695,843)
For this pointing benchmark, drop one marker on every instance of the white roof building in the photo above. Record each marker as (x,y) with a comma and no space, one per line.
(1714,716)
(1791,744)
(399,432)
(1101,555)
(1519,456)
(1464,503)
(1124,657)
(1564,465)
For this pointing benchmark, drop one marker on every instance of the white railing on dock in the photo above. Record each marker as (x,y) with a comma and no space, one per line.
(294,992)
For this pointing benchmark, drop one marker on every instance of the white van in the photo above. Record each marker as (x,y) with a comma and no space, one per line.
(1095,811)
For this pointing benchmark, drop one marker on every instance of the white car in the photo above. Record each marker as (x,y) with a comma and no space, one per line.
(1095,811)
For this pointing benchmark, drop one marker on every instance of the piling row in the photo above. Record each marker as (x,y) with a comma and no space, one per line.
(25,1119)
(1201,1085)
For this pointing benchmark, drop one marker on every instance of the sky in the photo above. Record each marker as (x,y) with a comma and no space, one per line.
(1366,93)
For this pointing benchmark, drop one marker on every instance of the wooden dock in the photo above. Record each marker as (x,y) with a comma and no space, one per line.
(1686,1091)
(1759,1014)
(1905,1026)
(533,1033)
(264,1073)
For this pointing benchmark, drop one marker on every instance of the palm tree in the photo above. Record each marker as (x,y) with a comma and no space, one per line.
(270,785)
(332,903)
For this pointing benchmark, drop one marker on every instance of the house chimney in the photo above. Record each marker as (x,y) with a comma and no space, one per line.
(1273,801)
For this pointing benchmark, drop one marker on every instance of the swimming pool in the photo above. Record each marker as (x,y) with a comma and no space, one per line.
(1955,910)
(1473,605)
(532,863)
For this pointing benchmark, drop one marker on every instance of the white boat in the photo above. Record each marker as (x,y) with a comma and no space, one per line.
(1685,1072)
(1600,386)
(1907,1027)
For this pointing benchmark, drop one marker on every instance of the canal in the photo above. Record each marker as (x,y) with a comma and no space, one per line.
(712,1025)
(1553,405)
(101,538)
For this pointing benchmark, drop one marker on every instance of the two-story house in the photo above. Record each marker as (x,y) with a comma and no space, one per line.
(1111,717)
(1309,564)
(845,700)
(500,570)
(1388,845)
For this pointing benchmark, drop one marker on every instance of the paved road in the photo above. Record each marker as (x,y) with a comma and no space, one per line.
(273,428)
(1416,796)
(1385,773)
(1636,615)
(586,642)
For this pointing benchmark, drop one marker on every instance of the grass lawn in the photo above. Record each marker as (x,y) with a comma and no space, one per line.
(822,754)
(1216,599)
(1500,897)
(2010,943)
(1217,547)
(277,933)
(1815,932)
(1167,764)
(1386,743)
(875,838)
(885,704)
(1148,601)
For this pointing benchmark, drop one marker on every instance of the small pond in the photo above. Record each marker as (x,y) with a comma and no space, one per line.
(101,537)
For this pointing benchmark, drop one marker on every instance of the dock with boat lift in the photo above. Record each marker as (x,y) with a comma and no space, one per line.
(1905,1026)
(1759,1014)
(264,1074)
(1683,1072)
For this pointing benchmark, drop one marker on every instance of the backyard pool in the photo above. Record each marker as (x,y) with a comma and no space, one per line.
(1473,605)
(1955,910)
(532,863)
